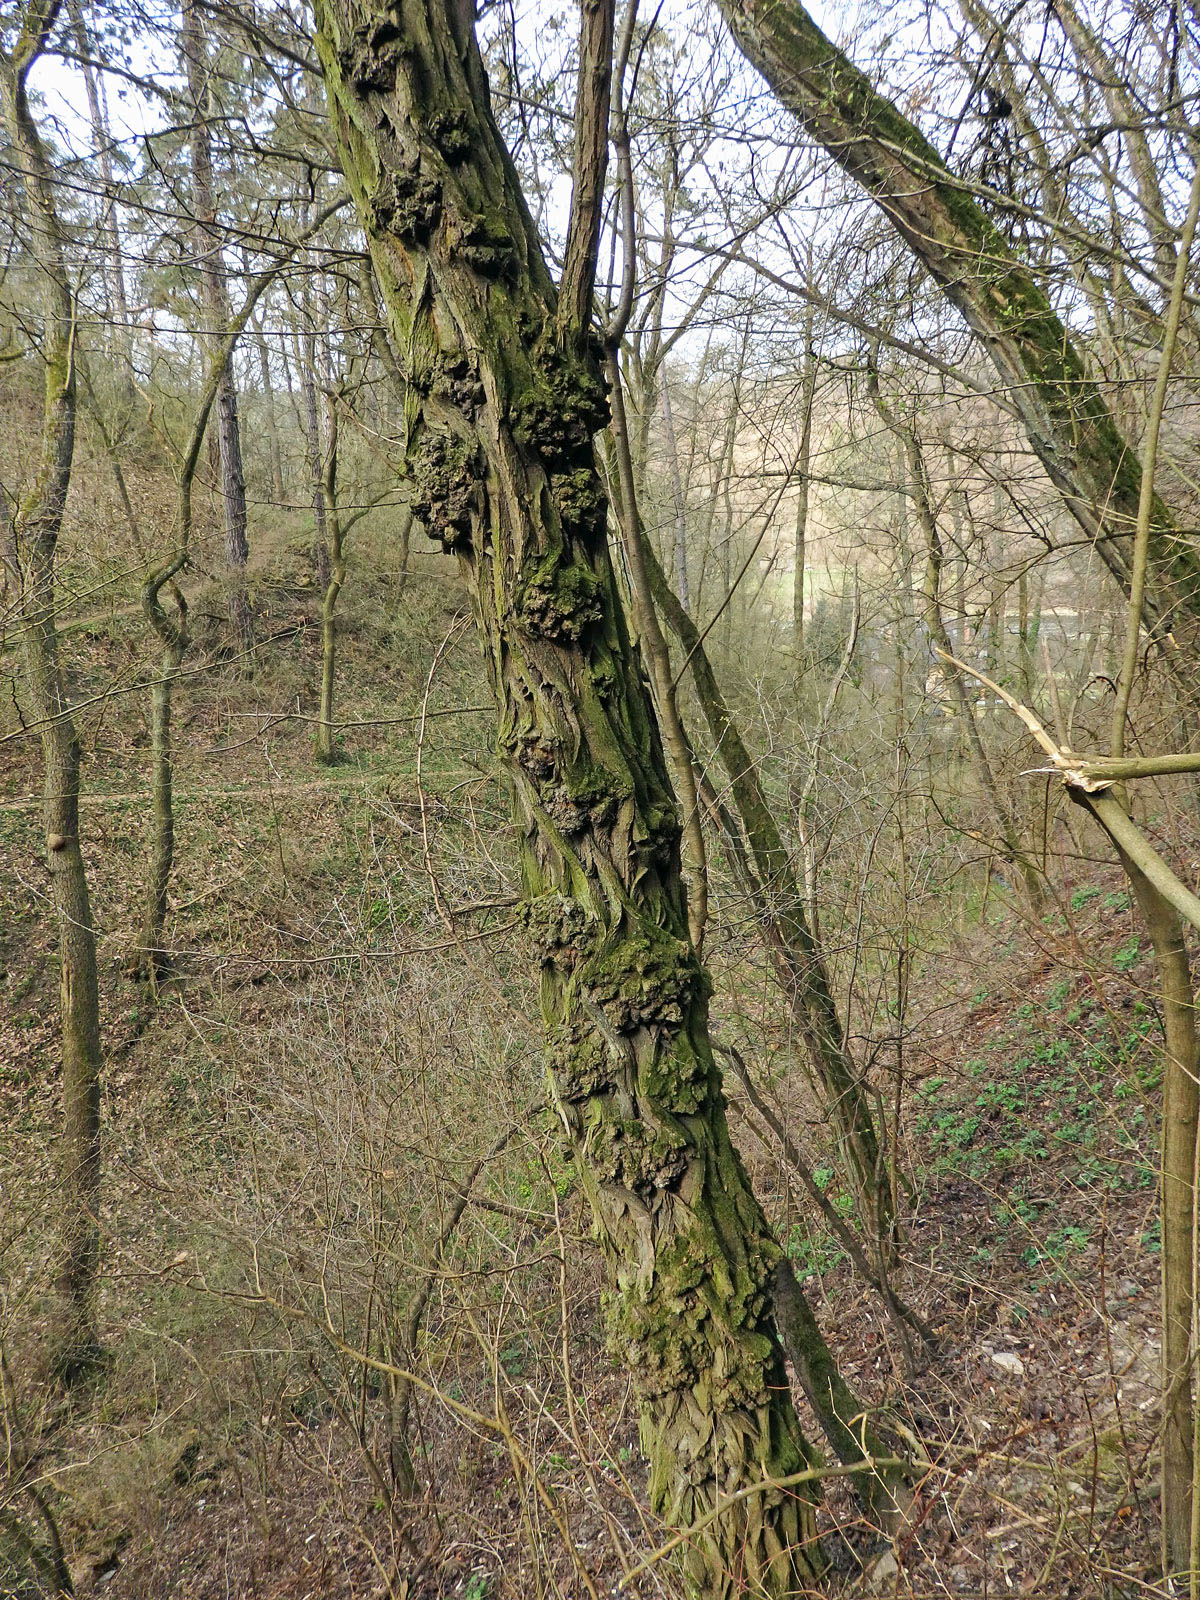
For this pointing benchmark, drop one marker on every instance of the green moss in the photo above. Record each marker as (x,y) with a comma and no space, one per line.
(451,132)
(559,599)
(581,504)
(629,1152)
(674,1338)
(446,496)
(485,244)
(644,978)
(560,928)
(587,798)
(561,410)
(456,380)
(675,1079)
(580,1063)
(656,842)
(535,753)
(408,204)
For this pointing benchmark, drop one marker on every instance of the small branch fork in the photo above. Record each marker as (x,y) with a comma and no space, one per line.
(1090,779)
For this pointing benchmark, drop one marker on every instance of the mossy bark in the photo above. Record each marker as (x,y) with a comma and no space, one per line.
(1067,420)
(504,395)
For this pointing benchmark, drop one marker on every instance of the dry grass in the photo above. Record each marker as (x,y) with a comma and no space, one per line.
(352,1027)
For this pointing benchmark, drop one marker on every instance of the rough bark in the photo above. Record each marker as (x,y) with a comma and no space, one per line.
(504,396)
(1068,422)
(33,540)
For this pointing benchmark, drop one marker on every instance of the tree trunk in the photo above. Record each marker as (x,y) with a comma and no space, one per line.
(316,454)
(1065,416)
(216,304)
(803,468)
(1029,627)
(1181,1125)
(855,1438)
(306,359)
(680,550)
(795,952)
(275,454)
(1181,1063)
(505,396)
(335,560)
(152,959)
(162,849)
(80,987)
(654,646)
(35,527)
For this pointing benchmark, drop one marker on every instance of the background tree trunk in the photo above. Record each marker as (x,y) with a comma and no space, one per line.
(216,304)
(335,561)
(680,550)
(36,524)
(275,453)
(1069,425)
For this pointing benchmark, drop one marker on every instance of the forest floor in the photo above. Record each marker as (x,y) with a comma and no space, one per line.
(351,1025)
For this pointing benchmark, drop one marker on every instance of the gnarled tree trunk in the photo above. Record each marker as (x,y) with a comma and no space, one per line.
(505,394)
